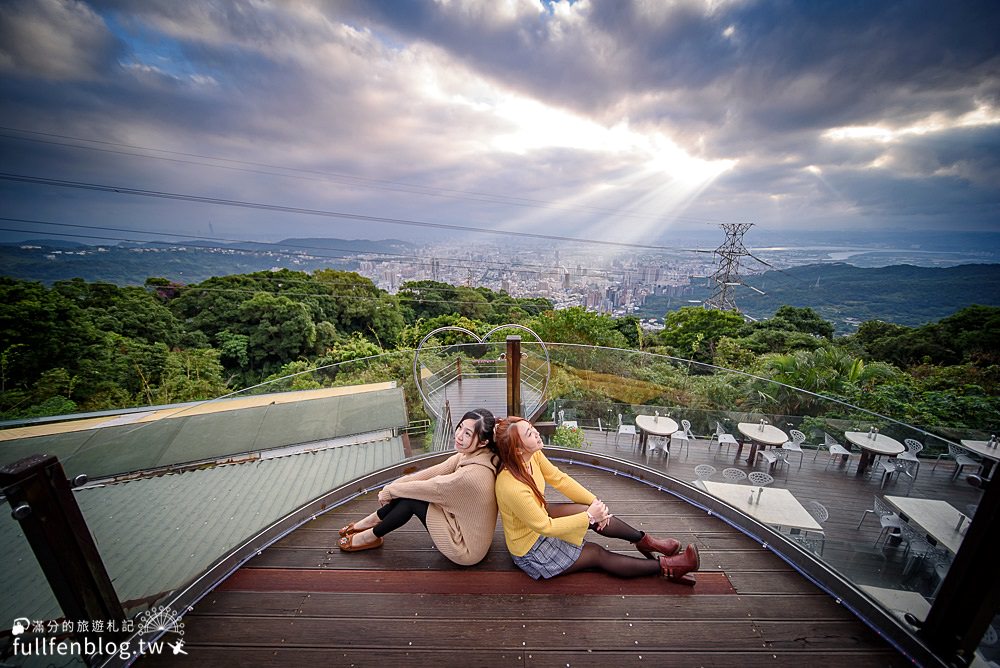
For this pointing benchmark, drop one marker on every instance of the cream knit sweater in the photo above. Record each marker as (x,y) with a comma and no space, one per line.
(462,514)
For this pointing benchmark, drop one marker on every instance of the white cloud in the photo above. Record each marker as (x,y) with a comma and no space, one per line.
(54,39)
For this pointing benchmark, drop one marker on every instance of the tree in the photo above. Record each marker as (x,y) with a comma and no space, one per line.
(693,331)
(795,319)
(191,375)
(828,371)
(279,330)
(577,325)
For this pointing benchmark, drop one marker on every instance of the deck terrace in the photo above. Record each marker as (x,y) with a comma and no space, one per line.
(302,601)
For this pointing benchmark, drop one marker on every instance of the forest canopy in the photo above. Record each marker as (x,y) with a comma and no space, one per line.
(80,346)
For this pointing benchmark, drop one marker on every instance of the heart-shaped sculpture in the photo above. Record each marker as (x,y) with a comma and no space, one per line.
(442,379)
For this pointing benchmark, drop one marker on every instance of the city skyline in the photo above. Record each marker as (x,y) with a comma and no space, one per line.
(637,123)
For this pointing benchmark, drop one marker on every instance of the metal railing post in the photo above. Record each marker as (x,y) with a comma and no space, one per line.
(513,375)
(42,501)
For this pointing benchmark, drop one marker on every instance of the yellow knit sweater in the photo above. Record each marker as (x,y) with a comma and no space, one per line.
(524,520)
(462,514)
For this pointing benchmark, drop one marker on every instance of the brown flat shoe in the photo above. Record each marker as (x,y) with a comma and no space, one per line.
(348,530)
(347,544)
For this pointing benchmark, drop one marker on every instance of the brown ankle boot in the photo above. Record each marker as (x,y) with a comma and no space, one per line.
(668,547)
(677,567)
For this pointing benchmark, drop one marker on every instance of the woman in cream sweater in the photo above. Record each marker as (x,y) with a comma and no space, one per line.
(454,499)
(546,539)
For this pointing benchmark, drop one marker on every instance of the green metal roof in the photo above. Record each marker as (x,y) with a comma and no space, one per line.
(215,430)
(157,534)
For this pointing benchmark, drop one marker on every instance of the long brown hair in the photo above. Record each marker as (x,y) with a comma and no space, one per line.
(508,443)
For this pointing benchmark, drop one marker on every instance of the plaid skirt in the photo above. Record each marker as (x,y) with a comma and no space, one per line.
(548,557)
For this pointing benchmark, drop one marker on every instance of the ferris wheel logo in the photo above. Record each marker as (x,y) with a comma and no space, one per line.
(159,620)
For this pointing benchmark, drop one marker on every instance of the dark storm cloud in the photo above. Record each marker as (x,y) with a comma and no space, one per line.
(414,93)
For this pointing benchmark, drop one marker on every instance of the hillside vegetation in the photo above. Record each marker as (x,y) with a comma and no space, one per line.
(79,346)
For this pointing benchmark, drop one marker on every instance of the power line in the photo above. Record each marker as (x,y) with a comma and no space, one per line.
(261,206)
(456,263)
(381,184)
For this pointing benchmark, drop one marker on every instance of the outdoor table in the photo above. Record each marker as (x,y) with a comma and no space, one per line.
(940,520)
(900,601)
(657,425)
(776,506)
(879,445)
(764,435)
(983,449)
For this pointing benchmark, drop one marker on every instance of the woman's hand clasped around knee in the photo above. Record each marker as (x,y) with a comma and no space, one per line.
(598,513)
(384,497)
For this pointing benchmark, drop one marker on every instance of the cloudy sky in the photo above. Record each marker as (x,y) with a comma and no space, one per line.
(642,122)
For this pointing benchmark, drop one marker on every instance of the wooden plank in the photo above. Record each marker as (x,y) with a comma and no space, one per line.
(749,582)
(464,582)
(396,558)
(512,634)
(282,657)
(502,634)
(748,658)
(235,603)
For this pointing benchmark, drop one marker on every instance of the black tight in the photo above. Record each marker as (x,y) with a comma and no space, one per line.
(596,557)
(398,512)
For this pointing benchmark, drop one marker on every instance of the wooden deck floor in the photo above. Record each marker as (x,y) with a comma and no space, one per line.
(303,602)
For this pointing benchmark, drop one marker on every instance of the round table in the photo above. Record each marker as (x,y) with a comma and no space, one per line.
(870,447)
(656,425)
(765,435)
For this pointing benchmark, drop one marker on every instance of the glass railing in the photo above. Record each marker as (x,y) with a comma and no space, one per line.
(292,440)
(889,501)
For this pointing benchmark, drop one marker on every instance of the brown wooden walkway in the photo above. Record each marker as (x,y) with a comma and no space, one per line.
(303,602)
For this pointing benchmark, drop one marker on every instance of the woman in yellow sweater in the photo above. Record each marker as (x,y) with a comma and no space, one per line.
(546,539)
(453,499)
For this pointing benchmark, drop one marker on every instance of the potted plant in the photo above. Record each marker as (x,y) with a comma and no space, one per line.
(568,437)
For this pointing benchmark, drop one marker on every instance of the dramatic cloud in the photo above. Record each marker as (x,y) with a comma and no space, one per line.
(601,119)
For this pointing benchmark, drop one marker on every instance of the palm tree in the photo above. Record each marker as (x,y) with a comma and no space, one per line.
(830,372)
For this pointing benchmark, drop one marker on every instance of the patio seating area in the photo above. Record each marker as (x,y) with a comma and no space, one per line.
(820,478)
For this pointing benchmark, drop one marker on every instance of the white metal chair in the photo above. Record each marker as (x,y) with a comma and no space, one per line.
(682,437)
(835,449)
(704,472)
(962,459)
(819,513)
(658,443)
(760,478)
(913,446)
(919,549)
(734,475)
(723,438)
(628,429)
(886,516)
(795,445)
(896,466)
(774,457)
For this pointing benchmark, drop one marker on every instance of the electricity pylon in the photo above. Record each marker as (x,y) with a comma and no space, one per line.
(727,276)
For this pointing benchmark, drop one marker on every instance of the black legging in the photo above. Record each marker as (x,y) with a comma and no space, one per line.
(398,512)
(595,556)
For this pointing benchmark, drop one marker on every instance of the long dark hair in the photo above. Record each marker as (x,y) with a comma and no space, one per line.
(484,427)
(509,442)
